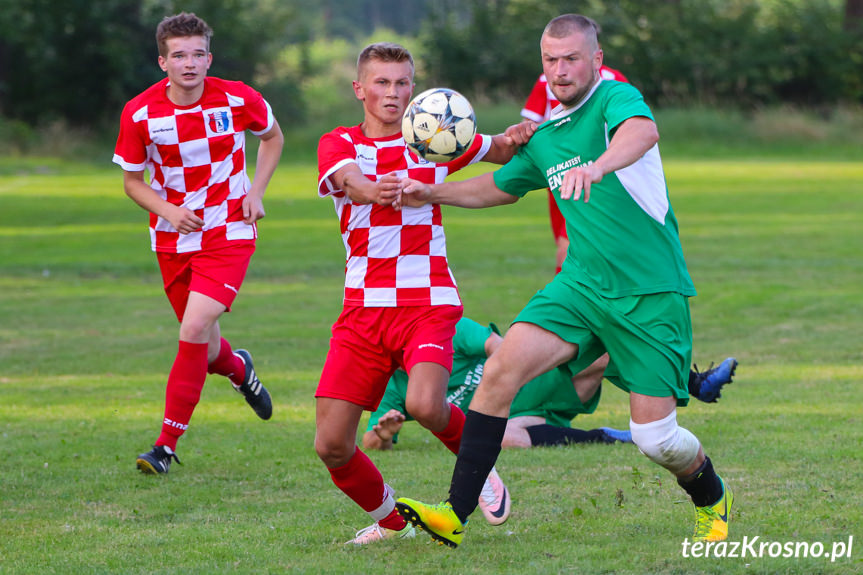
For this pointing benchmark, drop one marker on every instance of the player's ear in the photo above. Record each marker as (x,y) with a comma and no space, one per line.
(358,90)
(163,64)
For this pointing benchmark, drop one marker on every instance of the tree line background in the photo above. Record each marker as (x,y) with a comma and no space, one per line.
(78,61)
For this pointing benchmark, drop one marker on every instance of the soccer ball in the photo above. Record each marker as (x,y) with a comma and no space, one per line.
(439,125)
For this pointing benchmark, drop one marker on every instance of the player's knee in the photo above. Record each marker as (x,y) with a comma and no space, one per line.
(195,330)
(666,443)
(333,453)
(500,379)
(431,415)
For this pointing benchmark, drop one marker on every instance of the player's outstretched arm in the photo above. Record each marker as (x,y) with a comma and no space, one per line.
(478,192)
(183,219)
(361,190)
(269,153)
(632,139)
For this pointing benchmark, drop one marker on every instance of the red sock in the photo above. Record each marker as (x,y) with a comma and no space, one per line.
(451,434)
(185,383)
(228,364)
(393,521)
(360,480)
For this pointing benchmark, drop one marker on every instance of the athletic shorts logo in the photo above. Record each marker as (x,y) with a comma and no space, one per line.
(232,288)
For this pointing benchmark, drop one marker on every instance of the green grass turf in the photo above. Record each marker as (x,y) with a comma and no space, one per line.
(87,338)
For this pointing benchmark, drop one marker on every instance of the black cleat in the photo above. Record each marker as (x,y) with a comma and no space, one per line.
(157,460)
(255,393)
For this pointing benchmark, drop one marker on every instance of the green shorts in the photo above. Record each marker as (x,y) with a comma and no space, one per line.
(648,337)
(552,396)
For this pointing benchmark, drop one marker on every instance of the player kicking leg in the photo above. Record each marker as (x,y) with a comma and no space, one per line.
(428,405)
(654,429)
(484,429)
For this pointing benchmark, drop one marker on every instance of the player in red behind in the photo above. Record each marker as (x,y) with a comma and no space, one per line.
(188,132)
(401,303)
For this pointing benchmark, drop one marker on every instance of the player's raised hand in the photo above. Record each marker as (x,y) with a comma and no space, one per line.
(253,209)
(579,179)
(389,424)
(505,146)
(184,220)
(519,134)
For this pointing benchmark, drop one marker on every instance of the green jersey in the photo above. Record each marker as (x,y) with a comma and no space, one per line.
(624,241)
(551,395)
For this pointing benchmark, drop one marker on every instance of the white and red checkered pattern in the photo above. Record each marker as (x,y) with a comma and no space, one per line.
(196,158)
(394,258)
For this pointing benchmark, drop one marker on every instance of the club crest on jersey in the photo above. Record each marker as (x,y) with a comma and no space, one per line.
(219,122)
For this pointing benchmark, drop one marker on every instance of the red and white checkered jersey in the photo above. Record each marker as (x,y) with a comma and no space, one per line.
(196,158)
(540,102)
(394,258)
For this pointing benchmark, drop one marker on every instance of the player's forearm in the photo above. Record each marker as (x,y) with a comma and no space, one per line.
(143,195)
(630,142)
(269,153)
(372,440)
(478,192)
(359,188)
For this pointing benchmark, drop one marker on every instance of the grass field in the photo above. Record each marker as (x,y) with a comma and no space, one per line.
(87,338)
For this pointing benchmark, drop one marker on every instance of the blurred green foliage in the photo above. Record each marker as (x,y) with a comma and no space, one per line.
(76,62)
(742,53)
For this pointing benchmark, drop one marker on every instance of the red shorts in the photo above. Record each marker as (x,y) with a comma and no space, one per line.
(214,273)
(370,343)
(558,224)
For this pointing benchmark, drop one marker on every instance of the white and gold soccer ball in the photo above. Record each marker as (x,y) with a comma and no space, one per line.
(439,125)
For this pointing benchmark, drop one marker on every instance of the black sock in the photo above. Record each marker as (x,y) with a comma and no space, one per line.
(480,446)
(547,435)
(703,486)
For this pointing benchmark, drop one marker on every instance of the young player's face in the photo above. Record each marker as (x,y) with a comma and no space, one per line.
(187,62)
(385,89)
(571,66)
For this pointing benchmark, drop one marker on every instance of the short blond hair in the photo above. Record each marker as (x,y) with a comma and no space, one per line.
(383,52)
(568,24)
